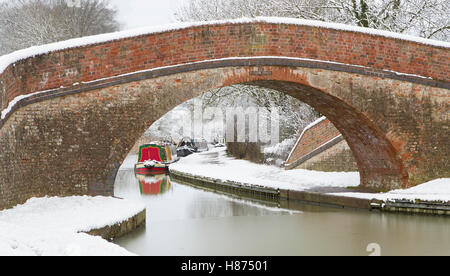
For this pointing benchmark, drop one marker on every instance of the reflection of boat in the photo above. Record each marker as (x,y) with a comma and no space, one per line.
(154,158)
(154,185)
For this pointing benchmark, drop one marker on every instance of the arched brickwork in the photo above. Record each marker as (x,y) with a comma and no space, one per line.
(71,140)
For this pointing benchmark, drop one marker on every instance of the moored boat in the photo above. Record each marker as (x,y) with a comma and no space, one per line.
(154,158)
(186,147)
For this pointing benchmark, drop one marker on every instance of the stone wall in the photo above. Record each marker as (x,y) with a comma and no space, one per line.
(118,230)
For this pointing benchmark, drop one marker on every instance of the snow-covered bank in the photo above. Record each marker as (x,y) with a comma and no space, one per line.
(216,164)
(436,190)
(52,226)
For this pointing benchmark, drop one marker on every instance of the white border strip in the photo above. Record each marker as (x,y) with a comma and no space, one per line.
(14,57)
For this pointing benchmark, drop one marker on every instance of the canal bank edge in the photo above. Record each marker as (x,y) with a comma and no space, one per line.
(315,198)
(111,232)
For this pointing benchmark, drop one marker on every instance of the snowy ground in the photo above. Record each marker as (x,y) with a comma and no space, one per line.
(52,226)
(436,190)
(216,164)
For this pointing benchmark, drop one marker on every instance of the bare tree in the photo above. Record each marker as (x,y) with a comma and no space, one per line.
(294,115)
(427,19)
(25,23)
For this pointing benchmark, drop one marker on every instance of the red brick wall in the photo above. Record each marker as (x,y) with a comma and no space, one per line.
(312,138)
(82,64)
(310,154)
(337,158)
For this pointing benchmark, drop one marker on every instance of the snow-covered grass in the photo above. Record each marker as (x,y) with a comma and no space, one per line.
(216,164)
(279,151)
(52,226)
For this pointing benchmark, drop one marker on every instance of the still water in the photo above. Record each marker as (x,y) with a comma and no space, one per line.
(188,221)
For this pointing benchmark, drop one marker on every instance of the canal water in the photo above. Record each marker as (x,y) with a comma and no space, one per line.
(183,220)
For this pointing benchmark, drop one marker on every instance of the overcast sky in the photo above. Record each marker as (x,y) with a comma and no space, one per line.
(140,13)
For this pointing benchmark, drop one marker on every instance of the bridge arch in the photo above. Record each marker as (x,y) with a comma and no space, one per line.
(72,139)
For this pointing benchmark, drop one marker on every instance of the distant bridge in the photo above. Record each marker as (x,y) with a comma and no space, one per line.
(73,110)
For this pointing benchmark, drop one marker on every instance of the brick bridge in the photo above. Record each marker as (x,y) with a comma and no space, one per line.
(387,94)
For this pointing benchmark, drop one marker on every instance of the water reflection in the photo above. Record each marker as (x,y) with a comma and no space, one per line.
(183,220)
(167,200)
(154,184)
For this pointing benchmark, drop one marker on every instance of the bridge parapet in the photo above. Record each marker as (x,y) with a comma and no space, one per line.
(86,59)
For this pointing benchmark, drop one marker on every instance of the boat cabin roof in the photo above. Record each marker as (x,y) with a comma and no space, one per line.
(154,151)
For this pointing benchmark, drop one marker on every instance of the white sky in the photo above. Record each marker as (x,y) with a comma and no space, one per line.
(141,13)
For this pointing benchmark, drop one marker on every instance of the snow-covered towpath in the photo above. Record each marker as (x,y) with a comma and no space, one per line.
(216,164)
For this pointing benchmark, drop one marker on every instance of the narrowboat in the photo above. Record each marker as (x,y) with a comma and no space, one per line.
(186,147)
(154,158)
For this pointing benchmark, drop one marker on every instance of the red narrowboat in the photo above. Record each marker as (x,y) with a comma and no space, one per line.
(154,158)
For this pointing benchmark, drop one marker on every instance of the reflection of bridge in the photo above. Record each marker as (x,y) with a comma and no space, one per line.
(72,140)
